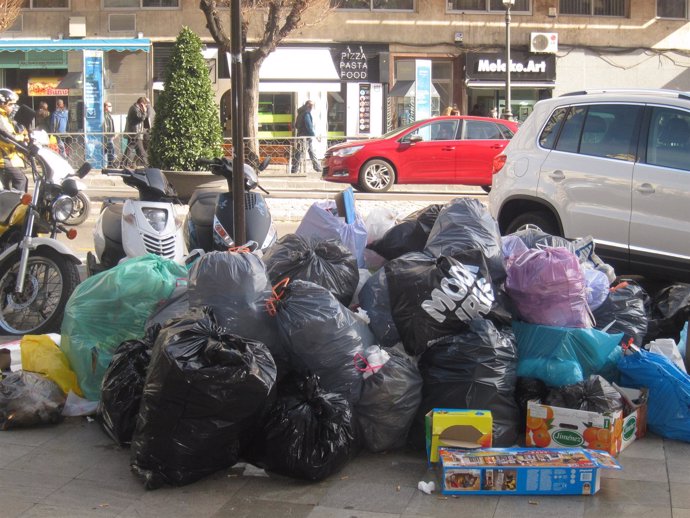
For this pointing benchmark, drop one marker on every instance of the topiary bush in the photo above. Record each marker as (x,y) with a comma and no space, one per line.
(187,124)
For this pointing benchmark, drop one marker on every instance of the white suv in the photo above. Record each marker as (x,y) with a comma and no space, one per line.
(612,164)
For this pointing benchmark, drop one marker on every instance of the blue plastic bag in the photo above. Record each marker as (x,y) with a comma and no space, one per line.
(565,355)
(668,412)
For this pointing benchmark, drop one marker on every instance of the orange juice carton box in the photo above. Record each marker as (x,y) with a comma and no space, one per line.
(554,427)
(523,471)
(453,427)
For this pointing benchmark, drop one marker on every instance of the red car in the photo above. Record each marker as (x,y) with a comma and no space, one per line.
(451,150)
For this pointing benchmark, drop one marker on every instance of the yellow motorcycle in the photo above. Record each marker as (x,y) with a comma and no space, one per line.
(38,273)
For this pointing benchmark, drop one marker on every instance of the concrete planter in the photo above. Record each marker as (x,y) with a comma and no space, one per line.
(186,182)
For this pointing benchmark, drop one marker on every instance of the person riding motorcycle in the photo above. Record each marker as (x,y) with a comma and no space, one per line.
(12,176)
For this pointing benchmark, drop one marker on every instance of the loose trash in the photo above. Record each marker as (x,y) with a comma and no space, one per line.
(410,235)
(40,354)
(29,399)
(426,487)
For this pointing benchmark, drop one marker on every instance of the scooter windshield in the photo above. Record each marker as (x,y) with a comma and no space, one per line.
(157,181)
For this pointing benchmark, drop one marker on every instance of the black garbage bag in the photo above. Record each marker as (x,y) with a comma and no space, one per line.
(29,399)
(409,235)
(465,224)
(176,306)
(389,402)
(670,311)
(624,311)
(236,287)
(526,390)
(374,299)
(308,433)
(474,369)
(123,387)
(204,387)
(594,394)
(322,337)
(436,297)
(327,263)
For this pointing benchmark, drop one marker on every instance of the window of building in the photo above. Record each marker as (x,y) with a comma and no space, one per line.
(141,4)
(593,7)
(46,4)
(671,8)
(487,5)
(374,5)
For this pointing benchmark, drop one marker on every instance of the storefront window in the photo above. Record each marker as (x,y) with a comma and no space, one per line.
(374,5)
(336,113)
(487,5)
(441,80)
(275,115)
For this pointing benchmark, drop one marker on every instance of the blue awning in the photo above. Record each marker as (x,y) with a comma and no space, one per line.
(119,44)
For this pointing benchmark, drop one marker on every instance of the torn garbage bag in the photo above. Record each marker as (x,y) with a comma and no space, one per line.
(204,387)
(565,355)
(410,235)
(322,337)
(327,263)
(389,402)
(123,387)
(29,399)
(436,297)
(473,369)
(465,224)
(110,308)
(308,433)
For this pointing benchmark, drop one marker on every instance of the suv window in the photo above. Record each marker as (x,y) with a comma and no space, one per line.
(668,142)
(550,131)
(480,130)
(569,138)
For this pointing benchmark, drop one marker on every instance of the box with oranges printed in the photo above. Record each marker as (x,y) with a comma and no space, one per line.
(556,427)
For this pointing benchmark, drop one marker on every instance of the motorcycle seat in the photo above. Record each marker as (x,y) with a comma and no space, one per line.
(202,207)
(112,222)
(8,201)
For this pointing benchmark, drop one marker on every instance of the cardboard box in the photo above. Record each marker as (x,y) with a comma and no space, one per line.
(556,427)
(457,428)
(523,471)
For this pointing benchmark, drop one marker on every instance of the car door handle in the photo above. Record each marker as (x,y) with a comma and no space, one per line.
(498,146)
(557,175)
(646,188)
(448,148)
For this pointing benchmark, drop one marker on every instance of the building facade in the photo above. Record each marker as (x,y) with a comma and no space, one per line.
(369,65)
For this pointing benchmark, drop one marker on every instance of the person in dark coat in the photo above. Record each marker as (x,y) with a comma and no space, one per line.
(134,127)
(108,134)
(304,124)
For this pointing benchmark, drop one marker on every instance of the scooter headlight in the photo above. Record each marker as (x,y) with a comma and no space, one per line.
(157,218)
(62,208)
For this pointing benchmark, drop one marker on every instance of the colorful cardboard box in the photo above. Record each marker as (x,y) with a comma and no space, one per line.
(554,427)
(523,471)
(453,427)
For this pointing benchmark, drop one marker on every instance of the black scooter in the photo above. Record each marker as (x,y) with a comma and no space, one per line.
(209,222)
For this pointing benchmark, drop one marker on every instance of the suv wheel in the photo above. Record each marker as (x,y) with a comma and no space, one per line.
(538,220)
(376,176)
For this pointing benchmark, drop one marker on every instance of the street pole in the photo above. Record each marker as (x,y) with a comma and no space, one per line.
(237,115)
(507,113)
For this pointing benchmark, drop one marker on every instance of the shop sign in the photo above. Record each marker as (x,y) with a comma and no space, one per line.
(364,120)
(93,106)
(45,86)
(353,64)
(523,66)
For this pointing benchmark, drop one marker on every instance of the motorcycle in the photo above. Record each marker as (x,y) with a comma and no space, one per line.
(37,274)
(131,228)
(209,222)
(61,171)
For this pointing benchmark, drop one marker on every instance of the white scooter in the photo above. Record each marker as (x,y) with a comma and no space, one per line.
(132,228)
(61,171)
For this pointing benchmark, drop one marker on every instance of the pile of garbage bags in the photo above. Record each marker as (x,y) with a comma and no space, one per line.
(332,342)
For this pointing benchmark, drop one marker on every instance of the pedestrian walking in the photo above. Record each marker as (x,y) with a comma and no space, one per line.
(108,134)
(59,124)
(304,124)
(134,127)
(43,117)
(12,176)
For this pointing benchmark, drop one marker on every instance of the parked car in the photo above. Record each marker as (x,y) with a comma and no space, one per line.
(611,164)
(451,150)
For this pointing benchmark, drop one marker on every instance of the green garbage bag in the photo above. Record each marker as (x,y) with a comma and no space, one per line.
(111,307)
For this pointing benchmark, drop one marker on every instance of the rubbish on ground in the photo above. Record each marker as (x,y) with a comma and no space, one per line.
(457,428)
(426,487)
(76,406)
(667,347)
(410,235)
(29,399)
(624,311)
(40,354)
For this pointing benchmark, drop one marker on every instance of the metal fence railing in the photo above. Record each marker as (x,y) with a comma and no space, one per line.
(120,150)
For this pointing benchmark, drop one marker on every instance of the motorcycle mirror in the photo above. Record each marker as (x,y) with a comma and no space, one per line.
(69,187)
(84,170)
(264,163)
(25,116)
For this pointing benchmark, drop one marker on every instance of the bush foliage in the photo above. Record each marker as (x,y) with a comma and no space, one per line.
(187,125)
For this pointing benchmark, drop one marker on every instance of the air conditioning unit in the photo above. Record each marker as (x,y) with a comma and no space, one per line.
(77,26)
(543,42)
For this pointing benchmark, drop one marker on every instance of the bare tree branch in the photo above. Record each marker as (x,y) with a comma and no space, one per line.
(9,11)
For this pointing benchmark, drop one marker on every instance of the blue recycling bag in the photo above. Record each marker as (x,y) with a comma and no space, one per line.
(668,412)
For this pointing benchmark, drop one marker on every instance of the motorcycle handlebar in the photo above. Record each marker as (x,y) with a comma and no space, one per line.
(117,172)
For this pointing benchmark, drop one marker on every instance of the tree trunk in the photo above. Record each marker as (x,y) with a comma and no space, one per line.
(250,96)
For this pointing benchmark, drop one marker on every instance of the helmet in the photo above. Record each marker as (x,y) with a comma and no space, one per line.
(7,95)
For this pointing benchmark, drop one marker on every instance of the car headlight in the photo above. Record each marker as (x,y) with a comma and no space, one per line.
(62,208)
(157,218)
(347,151)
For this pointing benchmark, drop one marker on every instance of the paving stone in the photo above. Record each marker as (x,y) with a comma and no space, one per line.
(531,506)
(381,497)
(635,468)
(680,496)
(440,506)
(251,507)
(649,447)
(329,512)
(286,490)
(634,492)
(87,494)
(595,508)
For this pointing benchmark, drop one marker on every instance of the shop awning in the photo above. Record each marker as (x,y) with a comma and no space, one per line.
(494,85)
(301,65)
(118,44)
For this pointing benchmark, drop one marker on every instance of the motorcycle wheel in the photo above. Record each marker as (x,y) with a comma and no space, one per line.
(50,280)
(82,208)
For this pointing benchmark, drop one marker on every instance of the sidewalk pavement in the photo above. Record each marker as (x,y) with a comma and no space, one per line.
(74,470)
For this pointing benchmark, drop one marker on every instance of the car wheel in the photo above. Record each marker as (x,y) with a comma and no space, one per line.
(486,188)
(376,176)
(538,220)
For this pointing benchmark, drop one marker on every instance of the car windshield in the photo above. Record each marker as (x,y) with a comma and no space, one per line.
(398,131)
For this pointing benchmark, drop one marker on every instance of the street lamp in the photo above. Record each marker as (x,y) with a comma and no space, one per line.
(507,114)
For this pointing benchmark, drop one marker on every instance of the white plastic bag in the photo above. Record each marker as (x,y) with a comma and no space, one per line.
(667,347)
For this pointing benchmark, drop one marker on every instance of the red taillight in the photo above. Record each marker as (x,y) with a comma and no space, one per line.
(25,199)
(498,163)
(71,233)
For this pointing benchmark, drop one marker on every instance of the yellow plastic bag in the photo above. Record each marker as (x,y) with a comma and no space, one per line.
(40,354)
